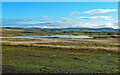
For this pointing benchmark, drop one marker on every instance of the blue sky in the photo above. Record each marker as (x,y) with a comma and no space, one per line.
(60,14)
(60,0)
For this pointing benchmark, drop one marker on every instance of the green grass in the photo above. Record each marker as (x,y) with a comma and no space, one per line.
(59,59)
(100,51)
(31,31)
(78,44)
(43,59)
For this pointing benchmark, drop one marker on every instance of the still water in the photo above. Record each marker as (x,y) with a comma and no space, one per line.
(57,36)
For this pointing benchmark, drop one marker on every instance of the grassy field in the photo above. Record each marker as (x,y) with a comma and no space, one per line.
(58,55)
(30,31)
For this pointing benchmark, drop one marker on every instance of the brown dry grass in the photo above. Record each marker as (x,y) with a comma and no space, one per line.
(15,40)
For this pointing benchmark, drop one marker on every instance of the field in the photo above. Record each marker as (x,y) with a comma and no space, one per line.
(59,55)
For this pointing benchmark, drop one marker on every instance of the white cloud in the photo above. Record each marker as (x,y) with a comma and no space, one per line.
(44,16)
(62,22)
(96,24)
(100,11)
(110,24)
(95,17)
(74,12)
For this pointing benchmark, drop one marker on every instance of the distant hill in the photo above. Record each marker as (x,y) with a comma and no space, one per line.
(94,29)
(69,29)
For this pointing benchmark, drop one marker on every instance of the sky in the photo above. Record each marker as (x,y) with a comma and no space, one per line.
(60,14)
(60,0)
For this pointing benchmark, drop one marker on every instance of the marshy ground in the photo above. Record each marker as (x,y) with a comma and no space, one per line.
(58,55)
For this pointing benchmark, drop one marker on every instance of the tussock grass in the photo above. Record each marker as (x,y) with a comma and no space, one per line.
(58,60)
(79,44)
(55,55)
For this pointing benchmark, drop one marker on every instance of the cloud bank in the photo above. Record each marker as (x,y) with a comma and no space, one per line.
(100,11)
(95,17)
(69,23)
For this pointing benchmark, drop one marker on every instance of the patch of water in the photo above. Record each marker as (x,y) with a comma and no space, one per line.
(56,36)
(93,61)
(96,61)
(109,54)
(90,61)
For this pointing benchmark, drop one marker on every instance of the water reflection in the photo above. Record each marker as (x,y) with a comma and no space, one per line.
(57,36)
